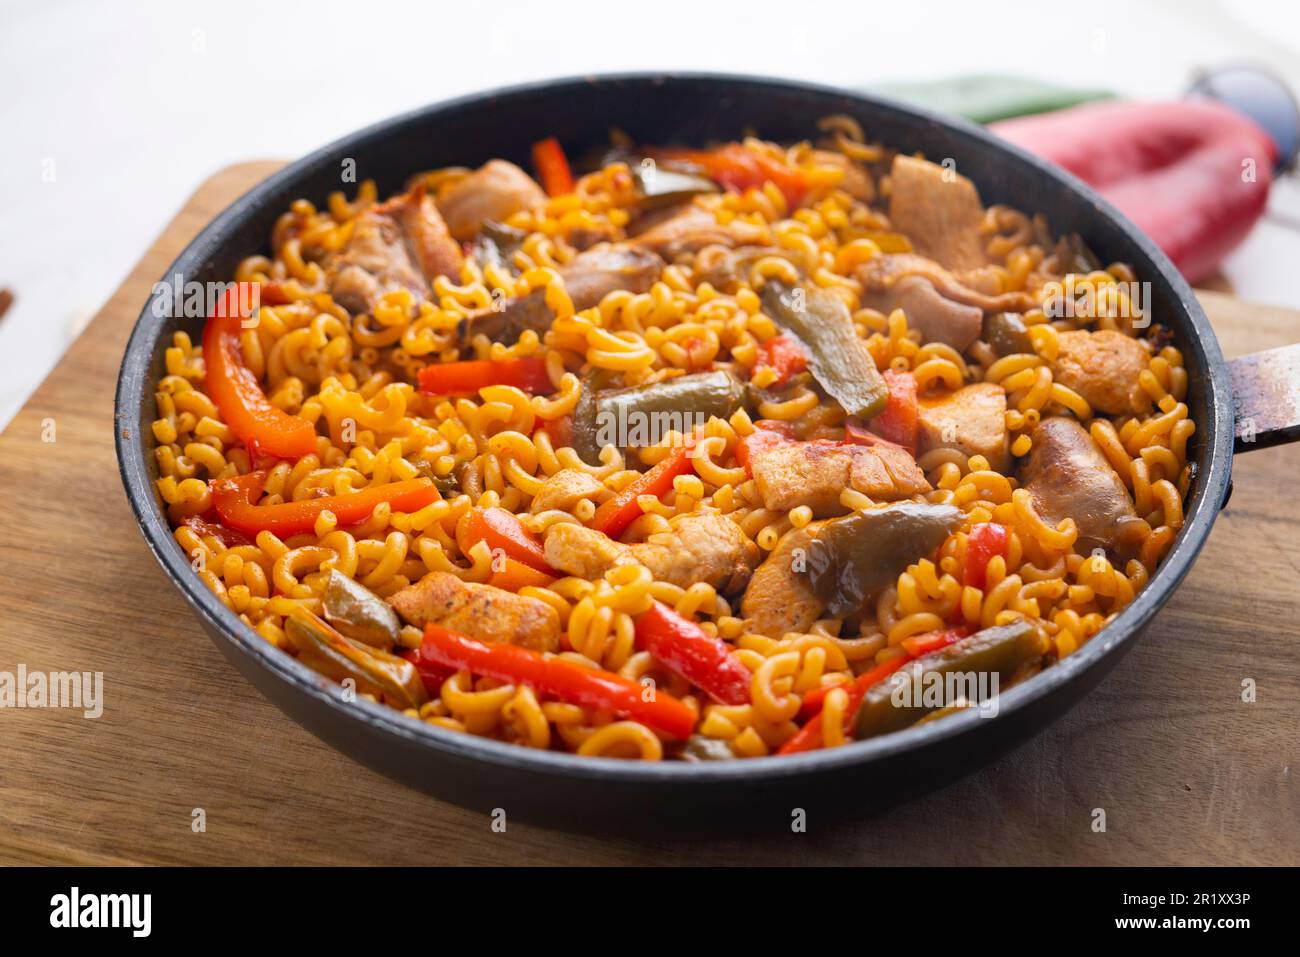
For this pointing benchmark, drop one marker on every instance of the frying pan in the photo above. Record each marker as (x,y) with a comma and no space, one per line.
(566,791)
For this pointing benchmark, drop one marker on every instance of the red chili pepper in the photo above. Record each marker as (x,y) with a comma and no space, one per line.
(622,510)
(737,167)
(233,500)
(235,390)
(559,678)
(686,649)
(983,542)
(1194,175)
(900,422)
(502,532)
(809,737)
(466,378)
(784,356)
(552,167)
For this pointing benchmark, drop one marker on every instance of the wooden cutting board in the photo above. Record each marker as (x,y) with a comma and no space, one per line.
(1186,772)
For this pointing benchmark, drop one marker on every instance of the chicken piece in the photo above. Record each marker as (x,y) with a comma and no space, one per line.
(938,210)
(691,228)
(703,546)
(584,237)
(565,489)
(1103,367)
(1069,477)
(789,474)
(480,611)
(494,191)
(882,273)
(400,244)
(779,598)
(609,267)
(972,420)
(589,277)
(936,318)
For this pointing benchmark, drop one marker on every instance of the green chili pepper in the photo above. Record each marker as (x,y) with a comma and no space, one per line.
(375,671)
(658,186)
(1007,334)
(837,356)
(641,415)
(1000,650)
(358,612)
(851,557)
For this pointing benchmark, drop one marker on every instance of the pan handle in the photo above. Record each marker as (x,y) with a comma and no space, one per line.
(1266,393)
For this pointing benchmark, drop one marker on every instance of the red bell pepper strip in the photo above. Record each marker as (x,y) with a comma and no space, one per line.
(809,737)
(1194,175)
(555,677)
(900,422)
(560,431)
(784,356)
(918,645)
(513,575)
(431,673)
(210,524)
(552,167)
(622,510)
(466,378)
(503,533)
(233,500)
(983,542)
(235,390)
(686,649)
(814,700)
(736,167)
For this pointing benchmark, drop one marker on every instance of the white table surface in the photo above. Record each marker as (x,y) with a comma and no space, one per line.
(113,112)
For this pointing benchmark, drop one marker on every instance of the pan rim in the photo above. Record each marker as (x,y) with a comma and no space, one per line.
(134,387)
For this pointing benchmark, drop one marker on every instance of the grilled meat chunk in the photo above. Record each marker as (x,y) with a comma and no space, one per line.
(792,473)
(495,191)
(400,244)
(1103,367)
(691,228)
(939,210)
(589,277)
(1069,477)
(480,611)
(972,420)
(702,546)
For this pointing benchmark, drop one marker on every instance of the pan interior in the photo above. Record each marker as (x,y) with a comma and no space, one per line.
(669,109)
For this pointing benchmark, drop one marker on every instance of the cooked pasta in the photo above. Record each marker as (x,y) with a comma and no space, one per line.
(686,457)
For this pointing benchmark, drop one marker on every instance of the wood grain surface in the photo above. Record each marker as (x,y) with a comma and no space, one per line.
(1186,772)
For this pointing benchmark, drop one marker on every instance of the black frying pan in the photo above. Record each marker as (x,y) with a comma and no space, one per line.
(568,791)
